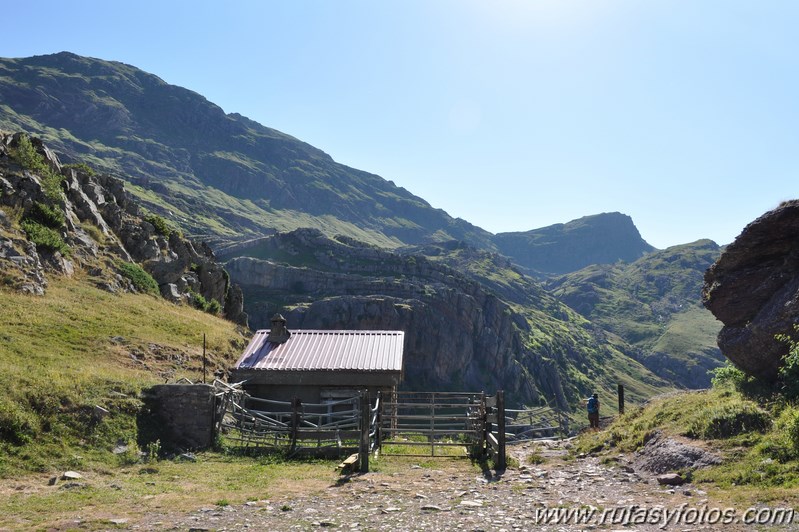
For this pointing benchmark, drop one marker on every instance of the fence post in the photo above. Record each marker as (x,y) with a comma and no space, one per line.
(483,426)
(379,422)
(296,404)
(363,450)
(621,399)
(501,459)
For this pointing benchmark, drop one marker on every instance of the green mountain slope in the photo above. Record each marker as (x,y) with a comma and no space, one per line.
(219,176)
(654,305)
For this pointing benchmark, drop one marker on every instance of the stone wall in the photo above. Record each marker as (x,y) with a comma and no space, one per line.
(181,416)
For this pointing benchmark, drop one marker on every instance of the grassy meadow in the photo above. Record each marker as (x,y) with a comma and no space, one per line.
(78,347)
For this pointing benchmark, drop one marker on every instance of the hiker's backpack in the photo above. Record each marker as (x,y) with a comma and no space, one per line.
(593,405)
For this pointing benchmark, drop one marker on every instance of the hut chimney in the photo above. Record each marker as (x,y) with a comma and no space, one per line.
(279,333)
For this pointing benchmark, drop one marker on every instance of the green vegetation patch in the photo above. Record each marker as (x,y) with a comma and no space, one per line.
(44,237)
(142,281)
(27,156)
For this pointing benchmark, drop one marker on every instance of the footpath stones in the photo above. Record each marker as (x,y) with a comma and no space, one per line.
(457,496)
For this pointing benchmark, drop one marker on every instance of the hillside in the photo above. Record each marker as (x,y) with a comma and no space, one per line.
(561,248)
(221,177)
(99,301)
(654,305)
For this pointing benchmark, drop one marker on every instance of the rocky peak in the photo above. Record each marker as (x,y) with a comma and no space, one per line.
(561,248)
(753,289)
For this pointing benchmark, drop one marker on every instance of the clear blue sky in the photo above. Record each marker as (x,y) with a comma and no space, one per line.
(511,114)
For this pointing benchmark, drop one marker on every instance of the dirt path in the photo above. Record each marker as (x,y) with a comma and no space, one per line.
(555,494)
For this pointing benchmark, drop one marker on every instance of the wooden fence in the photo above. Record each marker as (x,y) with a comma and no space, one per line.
(406,423)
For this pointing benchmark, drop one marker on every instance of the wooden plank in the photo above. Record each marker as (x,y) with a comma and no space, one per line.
(492,441)
(348,462)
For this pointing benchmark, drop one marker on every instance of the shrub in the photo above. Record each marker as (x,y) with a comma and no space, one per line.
(26,155)
(212,307)
(44,237)
(142,281)
(789,371)
(162,227)
(46,215)
(81,167)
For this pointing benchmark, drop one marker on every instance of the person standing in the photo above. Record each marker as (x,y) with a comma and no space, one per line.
(593,411)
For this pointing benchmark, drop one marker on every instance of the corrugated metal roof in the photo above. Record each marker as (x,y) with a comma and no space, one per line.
(307,350)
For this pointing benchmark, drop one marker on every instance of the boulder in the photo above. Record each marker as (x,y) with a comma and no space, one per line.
(754,290)
(670,479)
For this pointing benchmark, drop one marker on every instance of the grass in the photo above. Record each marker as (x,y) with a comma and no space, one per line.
(72,349)
(166,486)
(757,439)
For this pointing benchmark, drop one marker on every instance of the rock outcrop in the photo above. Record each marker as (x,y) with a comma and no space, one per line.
(561,248)
(754,290)
(100,227)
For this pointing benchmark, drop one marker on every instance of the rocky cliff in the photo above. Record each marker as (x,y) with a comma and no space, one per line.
(460,334)
(753,289)
(67,220)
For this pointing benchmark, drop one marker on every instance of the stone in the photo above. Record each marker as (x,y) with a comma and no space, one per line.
(670,479)
(753,289)
(71,475)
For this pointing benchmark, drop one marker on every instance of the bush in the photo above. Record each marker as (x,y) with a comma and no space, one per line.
(26,155)
(162,227)
(47,215)
(44,237)
(82,168)
(199,302)
(142,281)
(214,307)
(789,371)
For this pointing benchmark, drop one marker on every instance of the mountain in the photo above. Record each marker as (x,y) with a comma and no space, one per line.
(599,239)
(221,177)
(471,321)
(654,305)
(330,246)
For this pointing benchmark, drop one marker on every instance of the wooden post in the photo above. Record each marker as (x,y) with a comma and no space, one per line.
(432,424)
(296,404)
(621,399)
(379,422)
(501,459)
(363,448)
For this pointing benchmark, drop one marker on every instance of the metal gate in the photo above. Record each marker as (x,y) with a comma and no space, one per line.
(440,424)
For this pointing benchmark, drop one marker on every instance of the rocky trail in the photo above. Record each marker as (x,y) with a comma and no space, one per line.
(546,491)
